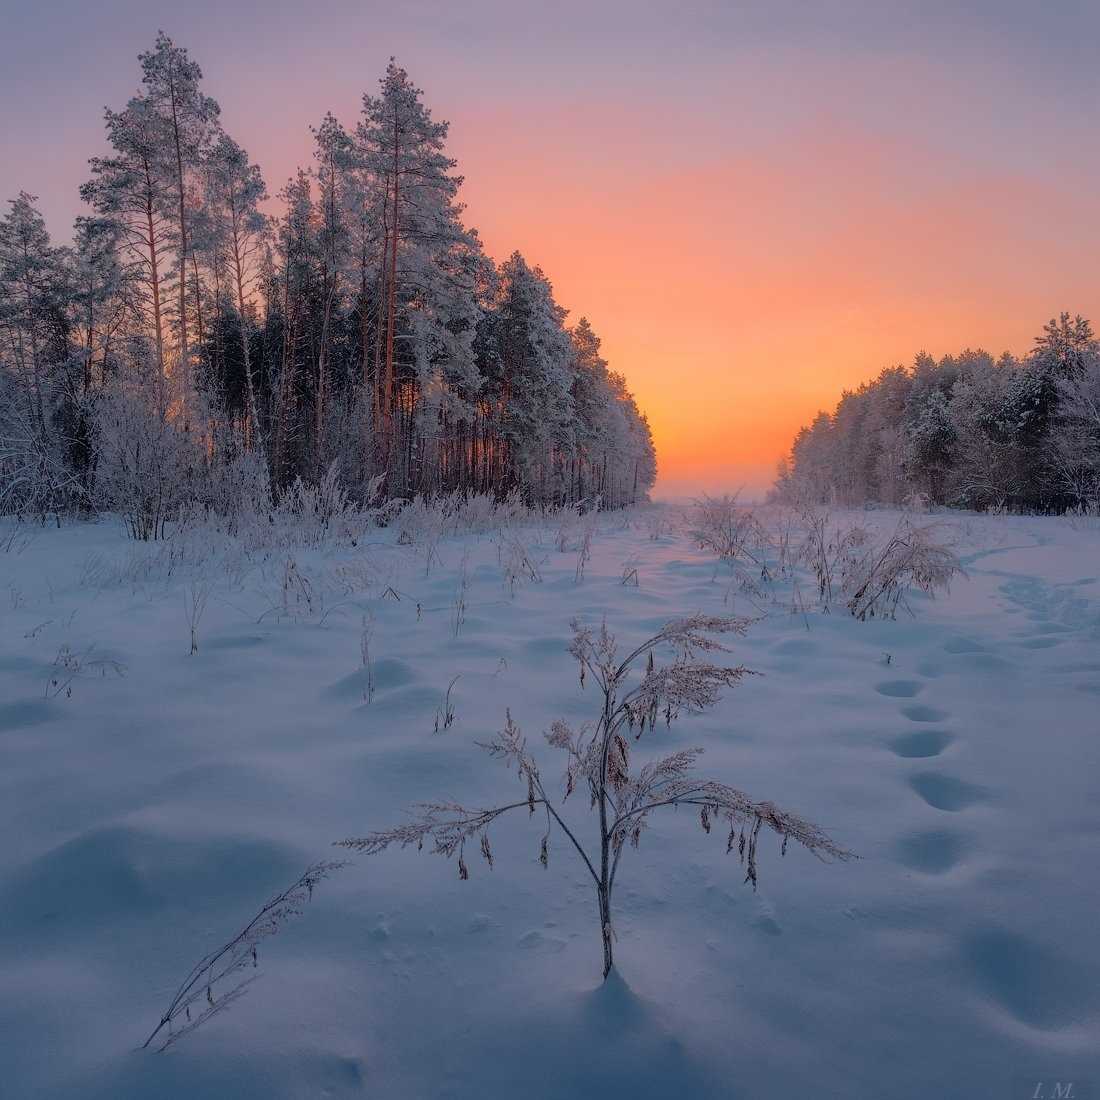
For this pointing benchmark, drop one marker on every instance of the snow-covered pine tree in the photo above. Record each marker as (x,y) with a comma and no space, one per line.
(431,271)
(37,473)
(362,324)
(529,381)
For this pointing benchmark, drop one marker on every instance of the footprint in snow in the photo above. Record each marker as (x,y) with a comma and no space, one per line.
(921,744)
(933,851)
(921,712)
(945,792)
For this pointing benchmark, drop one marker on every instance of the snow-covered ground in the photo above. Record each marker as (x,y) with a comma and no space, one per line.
(152,800)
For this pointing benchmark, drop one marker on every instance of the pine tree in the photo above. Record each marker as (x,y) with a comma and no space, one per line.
(363,326)
(530,373)
(234,189)
(185,124)
(430,262)
(36,471)
(131,190)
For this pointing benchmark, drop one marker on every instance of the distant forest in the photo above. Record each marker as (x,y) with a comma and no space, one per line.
(187,331)
(968,430)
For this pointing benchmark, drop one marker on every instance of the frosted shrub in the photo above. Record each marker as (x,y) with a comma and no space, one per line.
(874,575)
(635,694)
(188,553)
(517,560)
(238,489)
(657,521)
(568,534)
(423,521)
(831,552)
(36,477)
(315,514)
(147,465)
(480,513)
(584,549)
(878,580)
(732,532)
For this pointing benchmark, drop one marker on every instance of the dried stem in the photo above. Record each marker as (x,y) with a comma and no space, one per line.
(202,986)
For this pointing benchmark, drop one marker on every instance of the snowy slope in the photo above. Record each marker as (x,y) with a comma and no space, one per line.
(149,807)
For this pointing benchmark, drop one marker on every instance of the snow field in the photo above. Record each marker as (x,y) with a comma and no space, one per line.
(151,800)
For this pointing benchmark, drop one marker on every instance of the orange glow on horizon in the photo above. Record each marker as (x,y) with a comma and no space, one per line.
(747,239)
(737,305)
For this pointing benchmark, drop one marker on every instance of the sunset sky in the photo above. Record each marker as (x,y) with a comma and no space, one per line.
(756,205)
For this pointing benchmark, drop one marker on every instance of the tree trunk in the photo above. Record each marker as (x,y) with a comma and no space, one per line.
(605,930)
(185,360)
(250,389)
(603,888)
(154,275)
(391,310)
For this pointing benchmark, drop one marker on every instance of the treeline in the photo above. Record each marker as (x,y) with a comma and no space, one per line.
(185,333)
(968,430)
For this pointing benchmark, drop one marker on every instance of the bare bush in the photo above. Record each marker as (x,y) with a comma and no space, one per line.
(426,520)
(599,758)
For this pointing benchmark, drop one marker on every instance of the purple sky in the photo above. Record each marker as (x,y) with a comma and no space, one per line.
(778,198)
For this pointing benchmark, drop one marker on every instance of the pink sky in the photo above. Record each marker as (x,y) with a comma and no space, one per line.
(755,206)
